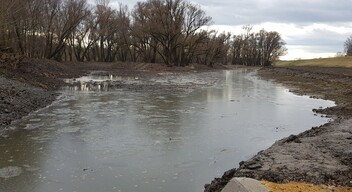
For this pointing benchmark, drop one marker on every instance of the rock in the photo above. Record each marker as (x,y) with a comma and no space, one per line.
(254,166)
(244,185)
(292,138)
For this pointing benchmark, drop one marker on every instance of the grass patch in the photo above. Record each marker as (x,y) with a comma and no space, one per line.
(324,62)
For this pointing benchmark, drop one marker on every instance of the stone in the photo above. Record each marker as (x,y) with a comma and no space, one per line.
(242,184)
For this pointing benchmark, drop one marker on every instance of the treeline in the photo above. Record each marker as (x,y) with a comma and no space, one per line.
(168,31)
(260,48)
(348,46)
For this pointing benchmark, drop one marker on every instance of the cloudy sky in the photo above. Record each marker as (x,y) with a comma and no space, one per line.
(310,28)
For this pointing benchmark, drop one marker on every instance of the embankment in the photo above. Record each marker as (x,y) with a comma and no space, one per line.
(321,155)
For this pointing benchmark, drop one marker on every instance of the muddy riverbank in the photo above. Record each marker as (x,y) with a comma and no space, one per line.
(18,99)
(321,155)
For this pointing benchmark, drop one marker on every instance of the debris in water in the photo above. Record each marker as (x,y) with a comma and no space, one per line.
(11,171)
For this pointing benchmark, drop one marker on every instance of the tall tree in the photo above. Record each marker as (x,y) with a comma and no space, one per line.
(166,26)
(69,15)
(168,31)
(214,49)
(261,48)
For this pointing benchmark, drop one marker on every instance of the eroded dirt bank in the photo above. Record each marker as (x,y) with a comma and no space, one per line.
(321,155)
(18,99)
(26,87)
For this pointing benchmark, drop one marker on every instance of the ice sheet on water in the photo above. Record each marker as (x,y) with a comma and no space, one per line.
(69,130)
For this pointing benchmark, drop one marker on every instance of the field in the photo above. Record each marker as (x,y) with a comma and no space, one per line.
(323,62)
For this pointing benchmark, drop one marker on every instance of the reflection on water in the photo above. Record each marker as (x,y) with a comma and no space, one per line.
(100,76)
(130,141)
(98,81)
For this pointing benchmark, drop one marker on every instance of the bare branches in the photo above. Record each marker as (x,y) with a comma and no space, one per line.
(167,27)
(168,31)
(348,46)
(261,48)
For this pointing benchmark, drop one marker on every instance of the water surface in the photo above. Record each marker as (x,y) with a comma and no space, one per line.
(128,141)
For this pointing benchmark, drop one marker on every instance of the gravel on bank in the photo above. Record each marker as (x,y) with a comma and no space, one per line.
(18,100)
(29,86)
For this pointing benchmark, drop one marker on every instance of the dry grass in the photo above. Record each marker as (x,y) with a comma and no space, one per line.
(324,62)
(303,187)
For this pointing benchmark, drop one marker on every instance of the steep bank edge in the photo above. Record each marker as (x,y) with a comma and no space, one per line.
(18,100)
(319,155)
(29,86)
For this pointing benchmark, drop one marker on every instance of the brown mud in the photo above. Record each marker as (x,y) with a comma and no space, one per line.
(321,155)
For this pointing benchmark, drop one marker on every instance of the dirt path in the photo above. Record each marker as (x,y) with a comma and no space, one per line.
(321,155)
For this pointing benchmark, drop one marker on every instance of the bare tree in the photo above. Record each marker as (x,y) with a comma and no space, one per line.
(214,49)
(168,31)
(112,31)
(166,27)
(123,33)
(348,46)
(71,15)
(82,38)
(261,48)
(146,47)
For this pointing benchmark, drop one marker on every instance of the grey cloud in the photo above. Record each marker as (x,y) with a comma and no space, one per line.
(299,12)
(239,12)
(258,11)
(322,40)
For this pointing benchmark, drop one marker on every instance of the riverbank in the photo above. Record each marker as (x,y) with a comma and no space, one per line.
(321,155)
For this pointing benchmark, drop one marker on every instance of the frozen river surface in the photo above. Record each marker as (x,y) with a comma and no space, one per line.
(130,141)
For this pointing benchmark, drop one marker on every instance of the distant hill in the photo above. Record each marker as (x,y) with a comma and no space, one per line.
(324,62)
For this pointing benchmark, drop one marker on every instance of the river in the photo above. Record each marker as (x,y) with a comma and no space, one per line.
(135,141)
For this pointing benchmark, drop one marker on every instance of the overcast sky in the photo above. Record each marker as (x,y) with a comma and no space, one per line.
(310,28)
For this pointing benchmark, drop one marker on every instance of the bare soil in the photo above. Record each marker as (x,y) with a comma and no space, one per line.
(321,155)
